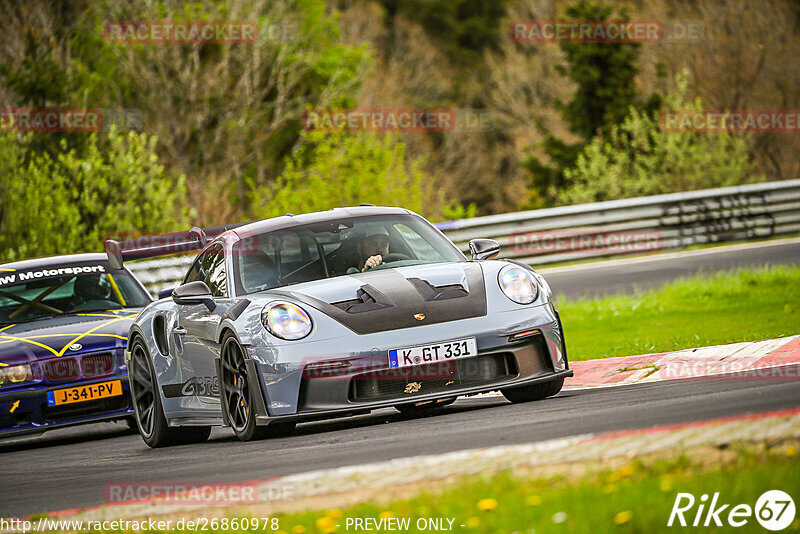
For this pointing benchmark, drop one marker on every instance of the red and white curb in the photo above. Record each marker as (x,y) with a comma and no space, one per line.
(748,360)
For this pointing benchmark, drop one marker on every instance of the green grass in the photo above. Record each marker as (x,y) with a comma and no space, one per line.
(637,497)
(743,305)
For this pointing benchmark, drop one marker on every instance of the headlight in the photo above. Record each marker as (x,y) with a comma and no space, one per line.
(286,321)
(15,374)
(518,284)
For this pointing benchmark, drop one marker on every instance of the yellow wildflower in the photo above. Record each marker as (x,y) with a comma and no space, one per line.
(623,517)
(487,505)
(326,524)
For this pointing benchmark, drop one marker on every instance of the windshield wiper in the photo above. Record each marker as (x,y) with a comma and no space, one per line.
(95,310)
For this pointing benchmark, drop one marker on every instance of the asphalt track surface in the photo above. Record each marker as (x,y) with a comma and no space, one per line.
(626,276)
(70,468)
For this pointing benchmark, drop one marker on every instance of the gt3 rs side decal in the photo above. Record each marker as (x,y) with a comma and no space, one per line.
(197,386)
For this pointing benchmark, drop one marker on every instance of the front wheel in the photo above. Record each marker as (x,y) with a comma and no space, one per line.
(148,411)
(238,399)
(533,392)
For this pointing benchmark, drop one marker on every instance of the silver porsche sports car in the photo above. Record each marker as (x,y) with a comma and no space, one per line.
(336,313)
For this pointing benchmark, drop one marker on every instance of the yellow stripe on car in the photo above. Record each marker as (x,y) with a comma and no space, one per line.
(70,334)
(15,338)
(78,338)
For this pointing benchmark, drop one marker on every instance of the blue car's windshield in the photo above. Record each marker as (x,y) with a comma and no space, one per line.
(38,293)
(336,248)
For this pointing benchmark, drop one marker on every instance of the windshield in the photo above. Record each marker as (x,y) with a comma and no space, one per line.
(337,248)
(46,292)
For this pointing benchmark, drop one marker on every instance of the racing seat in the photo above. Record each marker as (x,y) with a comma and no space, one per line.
(258,272)
(346,256)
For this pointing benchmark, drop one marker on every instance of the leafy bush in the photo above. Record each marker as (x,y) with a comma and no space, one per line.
(71,201)
(637,158)
(604,75)
(333,169)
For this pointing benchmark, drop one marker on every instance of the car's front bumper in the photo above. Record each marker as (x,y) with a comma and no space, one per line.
(26,411)
(387,403)
(362,381)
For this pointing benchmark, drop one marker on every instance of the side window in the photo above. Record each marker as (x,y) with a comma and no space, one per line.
(213,266)
(209,267)
(194,273)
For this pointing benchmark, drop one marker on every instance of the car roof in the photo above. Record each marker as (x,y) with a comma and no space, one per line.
(333,214)
(50,261)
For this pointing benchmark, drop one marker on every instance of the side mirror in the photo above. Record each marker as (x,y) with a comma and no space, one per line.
(194,293)
(484,249)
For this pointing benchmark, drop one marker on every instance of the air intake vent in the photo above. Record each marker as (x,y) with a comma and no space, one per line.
(369,299)
(432,378)
(430,292)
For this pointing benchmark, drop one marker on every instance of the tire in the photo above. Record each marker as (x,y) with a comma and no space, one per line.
(149,413)
(421,409)
(533,392)
(238,400)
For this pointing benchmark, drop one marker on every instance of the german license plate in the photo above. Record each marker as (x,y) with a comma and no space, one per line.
(84,393)
(437,352)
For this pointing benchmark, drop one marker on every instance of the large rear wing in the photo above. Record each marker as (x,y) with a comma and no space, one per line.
(163,244)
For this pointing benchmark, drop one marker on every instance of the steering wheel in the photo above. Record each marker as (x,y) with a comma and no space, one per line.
(395,256)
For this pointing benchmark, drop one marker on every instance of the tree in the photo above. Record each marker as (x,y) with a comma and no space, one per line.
(333,169)
(462,29)
(221,112)
(636,158)
(71,202)
(603,74)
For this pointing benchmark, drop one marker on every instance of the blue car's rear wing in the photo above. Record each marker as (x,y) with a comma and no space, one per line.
(162,244)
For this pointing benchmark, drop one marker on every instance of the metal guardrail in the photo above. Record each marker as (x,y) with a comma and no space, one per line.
(602,229)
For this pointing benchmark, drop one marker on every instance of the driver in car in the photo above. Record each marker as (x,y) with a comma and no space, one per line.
(373,248)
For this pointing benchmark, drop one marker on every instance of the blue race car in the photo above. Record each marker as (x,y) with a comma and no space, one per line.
(64,325)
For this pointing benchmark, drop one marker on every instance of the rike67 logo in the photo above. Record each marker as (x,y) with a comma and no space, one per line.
(774,510)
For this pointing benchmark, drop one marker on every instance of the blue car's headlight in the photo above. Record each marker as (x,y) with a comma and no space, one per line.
(16,374)
(286,321)
(518,284)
